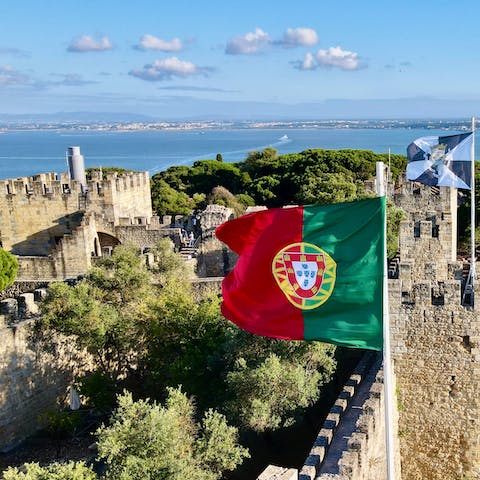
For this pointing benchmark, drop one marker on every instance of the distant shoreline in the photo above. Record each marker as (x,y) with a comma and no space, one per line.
(16,126)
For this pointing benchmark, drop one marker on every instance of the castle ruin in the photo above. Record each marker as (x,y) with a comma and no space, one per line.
(57,224)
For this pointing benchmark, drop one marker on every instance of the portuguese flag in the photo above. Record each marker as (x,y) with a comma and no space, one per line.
(313,272)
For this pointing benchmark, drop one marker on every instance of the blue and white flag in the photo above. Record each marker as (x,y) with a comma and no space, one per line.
(441,161)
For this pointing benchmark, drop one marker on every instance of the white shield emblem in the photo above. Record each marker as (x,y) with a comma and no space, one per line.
(305,274)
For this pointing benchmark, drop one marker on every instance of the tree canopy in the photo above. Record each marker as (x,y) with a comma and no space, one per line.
(152,441)
(273,180)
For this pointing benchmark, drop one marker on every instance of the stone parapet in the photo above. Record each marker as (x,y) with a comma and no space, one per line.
(350,442)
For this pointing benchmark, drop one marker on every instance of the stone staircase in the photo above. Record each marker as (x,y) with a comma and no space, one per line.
(187,253)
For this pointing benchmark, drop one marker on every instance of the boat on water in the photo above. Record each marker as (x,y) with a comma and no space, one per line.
(284,137)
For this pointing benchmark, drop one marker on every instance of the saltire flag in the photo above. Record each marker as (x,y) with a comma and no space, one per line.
(441,161)
(312,272)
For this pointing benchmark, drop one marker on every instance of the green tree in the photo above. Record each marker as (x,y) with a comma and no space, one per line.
(54,471)
(177,177)
(325,188)
(106,313)
(8,269)
(221,196)
(168,201)
(260,163)
(151,441)
(106,170)
(169,266)
(273,381)
(208,174)
(394,217)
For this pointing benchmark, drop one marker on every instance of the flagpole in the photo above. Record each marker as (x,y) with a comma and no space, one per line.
(472,211)
(387,370)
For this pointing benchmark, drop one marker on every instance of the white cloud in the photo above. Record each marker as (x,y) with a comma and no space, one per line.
(337,58)
(308,63)
(334,57)
(296,37)
(168,68)
(248,44)
(149,42)
(86,43)
(10,76)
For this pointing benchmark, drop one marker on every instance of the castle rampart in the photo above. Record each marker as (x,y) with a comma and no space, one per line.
(435,342)
(32,381)
(56,225)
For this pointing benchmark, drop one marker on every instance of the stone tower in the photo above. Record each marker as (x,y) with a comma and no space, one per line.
(435,342)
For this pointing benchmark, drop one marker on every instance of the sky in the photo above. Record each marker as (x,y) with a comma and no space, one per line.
(257,59)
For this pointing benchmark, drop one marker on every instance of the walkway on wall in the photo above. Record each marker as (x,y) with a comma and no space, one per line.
(348,424)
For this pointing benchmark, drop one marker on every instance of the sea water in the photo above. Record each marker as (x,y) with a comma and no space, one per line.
(24,153)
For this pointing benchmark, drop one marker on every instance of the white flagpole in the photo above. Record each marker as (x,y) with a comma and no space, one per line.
(387,356)
(472,210)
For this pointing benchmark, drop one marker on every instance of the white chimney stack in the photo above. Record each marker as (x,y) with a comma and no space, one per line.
(76,166)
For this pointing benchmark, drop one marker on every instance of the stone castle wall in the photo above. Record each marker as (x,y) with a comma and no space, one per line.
(36,211)
(351,443)
(435,343)
(56,227)
(32,381)
(124,197)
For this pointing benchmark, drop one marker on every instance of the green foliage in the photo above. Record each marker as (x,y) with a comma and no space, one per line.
(169,266)
(259,163)
(98,389)
(208,174)
(188,337)
(8,269)
(122,276)
(105,313)
(55,471)
(325,188)
(394,217)
(270,386)
(177,177)
(199,201)
(221,196)
(464,214)
(245,200)
(168,201)
(151,441)
(217,444)
(106,170)
(62,424)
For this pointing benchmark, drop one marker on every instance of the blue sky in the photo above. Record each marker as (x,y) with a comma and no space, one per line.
(220,59)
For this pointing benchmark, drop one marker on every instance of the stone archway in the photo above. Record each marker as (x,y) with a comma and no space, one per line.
(107,243)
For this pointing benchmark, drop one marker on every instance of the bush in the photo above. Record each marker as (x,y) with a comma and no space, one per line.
(8,269)
(160,442)
(55,471)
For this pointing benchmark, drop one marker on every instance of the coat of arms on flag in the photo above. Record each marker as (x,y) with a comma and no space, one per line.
(305,273)
(441,161)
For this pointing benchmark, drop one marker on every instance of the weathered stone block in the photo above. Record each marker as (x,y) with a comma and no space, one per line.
(26,306)
(273,472)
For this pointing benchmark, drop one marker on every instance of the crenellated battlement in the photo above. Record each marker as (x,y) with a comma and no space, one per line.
(36,211)
(56,185)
